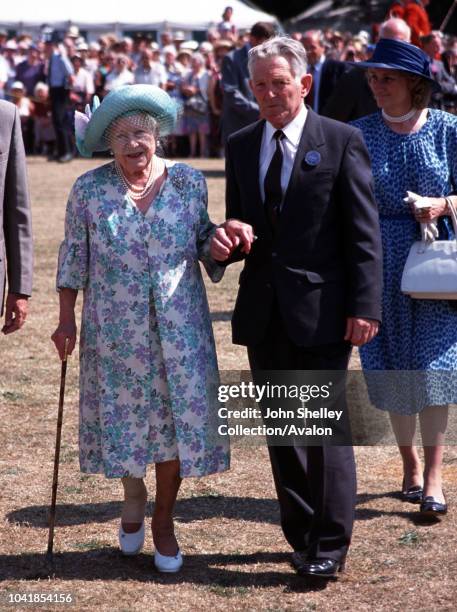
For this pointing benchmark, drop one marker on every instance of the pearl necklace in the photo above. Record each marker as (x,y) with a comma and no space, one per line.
(135,193)
(402,119)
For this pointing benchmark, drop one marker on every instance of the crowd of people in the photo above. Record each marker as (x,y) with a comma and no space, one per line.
(49,78)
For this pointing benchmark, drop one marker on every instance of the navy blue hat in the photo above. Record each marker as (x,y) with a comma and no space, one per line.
(399,55)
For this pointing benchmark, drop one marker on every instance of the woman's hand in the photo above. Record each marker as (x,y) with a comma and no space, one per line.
(424,209)
(64,331)
(221,246)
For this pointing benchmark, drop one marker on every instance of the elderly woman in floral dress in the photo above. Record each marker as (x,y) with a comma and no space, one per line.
(135,231)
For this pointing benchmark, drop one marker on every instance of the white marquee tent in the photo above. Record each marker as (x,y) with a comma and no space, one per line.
(115,15)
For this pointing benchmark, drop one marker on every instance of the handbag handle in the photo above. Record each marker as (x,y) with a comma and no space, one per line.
(453,215)
(422,245)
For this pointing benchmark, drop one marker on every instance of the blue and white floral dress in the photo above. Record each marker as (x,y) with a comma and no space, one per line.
(417,338)
(148,362)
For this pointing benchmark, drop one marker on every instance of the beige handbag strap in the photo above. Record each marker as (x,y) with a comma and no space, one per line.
(453,214)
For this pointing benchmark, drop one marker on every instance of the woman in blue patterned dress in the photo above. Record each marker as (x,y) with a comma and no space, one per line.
(412,148)
(135,230)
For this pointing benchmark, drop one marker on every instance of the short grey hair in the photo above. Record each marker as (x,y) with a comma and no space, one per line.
(280,46)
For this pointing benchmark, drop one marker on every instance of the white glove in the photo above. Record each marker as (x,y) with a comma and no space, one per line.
(429,231)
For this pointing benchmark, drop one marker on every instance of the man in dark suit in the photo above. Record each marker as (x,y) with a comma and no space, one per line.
(239,107)
(311,284)
(16,259)
(447,97)
(325,72)
(352,97)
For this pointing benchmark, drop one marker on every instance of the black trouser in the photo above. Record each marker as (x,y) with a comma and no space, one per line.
(59,109)
(315,485)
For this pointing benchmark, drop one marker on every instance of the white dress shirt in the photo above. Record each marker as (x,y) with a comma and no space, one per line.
(292,132)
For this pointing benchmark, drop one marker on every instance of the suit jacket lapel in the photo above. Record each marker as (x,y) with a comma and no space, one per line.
(312,139)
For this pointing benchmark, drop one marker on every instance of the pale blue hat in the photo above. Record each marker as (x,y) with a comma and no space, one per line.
(91,126)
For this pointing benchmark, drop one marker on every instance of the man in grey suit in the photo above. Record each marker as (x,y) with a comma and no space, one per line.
(239,107)
(16,257)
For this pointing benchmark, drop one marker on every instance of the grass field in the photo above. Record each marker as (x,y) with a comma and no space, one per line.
(227,525)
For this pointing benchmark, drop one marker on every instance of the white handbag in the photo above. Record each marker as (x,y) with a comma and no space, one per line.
(430,272)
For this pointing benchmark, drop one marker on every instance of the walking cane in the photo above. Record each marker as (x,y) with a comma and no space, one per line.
(52,512)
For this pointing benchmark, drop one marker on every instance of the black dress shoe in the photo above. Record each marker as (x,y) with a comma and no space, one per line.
(321,568)
(298,559)
(431,507)
(413,494)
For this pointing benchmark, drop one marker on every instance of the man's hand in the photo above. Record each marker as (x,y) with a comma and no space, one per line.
(229,236)
(15,312)
(360,331)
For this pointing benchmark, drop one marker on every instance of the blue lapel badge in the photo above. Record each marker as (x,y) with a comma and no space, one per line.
(312,158)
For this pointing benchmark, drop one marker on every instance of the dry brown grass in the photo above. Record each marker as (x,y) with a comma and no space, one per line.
(236,557)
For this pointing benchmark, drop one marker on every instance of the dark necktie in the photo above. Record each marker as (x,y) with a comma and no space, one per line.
(272,183)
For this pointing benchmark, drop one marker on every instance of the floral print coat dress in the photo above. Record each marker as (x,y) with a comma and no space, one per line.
(147,361)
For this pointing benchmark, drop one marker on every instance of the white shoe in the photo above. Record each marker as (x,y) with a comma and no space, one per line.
(168,564)
(131,543)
